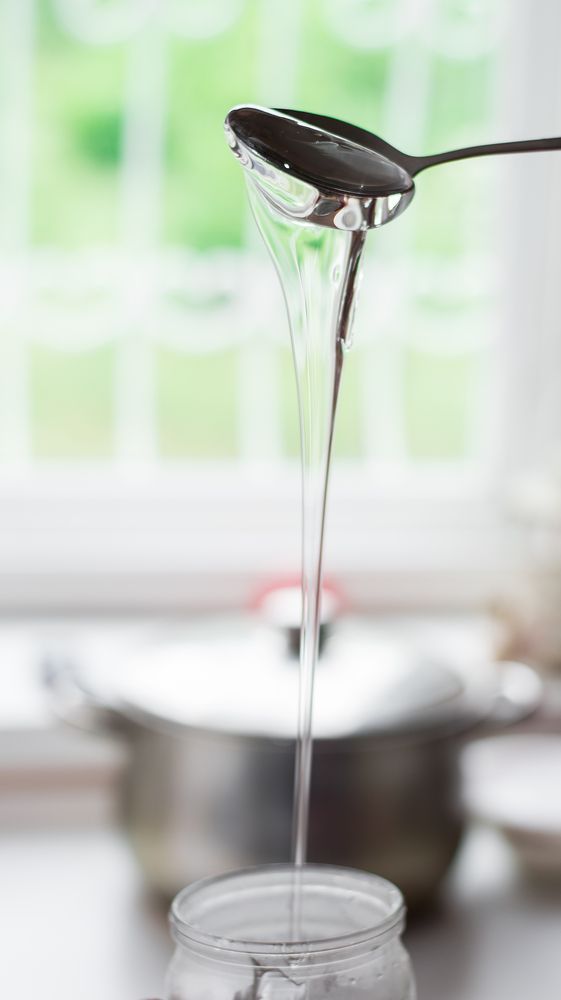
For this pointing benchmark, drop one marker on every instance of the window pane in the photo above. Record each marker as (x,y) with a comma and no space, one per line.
(72,398)
(77,137)
(204,201)
(197,405)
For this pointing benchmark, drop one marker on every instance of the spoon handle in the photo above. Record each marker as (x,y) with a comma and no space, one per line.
(418,163)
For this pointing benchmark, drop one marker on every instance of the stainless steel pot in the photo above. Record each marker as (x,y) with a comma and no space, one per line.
(210,722)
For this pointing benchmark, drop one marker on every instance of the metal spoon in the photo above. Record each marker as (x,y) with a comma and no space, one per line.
(345,162)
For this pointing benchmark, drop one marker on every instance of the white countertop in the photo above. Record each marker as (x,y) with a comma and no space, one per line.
(76,924)
(495,936)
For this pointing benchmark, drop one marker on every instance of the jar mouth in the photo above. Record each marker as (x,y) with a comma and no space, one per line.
(288,910)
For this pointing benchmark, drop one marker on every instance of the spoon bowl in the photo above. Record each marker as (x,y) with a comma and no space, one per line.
(322,173)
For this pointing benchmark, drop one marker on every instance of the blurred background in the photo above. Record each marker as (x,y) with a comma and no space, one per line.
(149,471)
(148,430)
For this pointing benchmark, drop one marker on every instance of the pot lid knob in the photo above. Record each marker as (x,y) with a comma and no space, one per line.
(281,607)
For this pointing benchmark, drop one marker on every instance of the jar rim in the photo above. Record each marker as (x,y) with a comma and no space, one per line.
(375,890)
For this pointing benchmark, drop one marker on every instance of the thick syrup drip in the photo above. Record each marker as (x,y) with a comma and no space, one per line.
(318,270)
(318,264)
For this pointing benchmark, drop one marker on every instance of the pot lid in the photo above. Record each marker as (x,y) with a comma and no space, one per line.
(234,677)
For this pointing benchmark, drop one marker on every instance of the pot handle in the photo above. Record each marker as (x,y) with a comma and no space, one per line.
(519,695)
(70,700)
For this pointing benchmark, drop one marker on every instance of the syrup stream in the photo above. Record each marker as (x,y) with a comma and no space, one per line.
(318,269)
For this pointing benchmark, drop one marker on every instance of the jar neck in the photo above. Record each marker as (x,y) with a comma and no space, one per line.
(328,918)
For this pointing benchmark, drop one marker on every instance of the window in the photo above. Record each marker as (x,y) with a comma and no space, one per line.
(147,413)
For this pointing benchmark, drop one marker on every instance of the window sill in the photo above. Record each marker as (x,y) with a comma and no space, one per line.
(207,537)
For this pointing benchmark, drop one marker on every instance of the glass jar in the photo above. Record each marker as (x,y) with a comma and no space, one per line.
(284,933)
